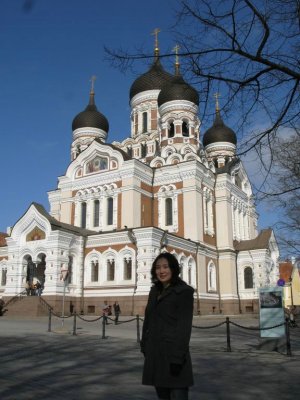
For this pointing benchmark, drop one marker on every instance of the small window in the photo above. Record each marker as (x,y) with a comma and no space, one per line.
(91,309)
(171,130)
(95,271)
(83,215)
(248,278)
(110,270)
(185,129)
(144,150)
(110,210)
(3,277)
(127,269)
(96,212)
(145,122)
(169,212)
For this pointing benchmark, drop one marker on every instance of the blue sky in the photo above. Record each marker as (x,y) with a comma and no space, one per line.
(49,51)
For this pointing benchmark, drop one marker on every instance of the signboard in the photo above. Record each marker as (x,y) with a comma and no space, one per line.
(271,312)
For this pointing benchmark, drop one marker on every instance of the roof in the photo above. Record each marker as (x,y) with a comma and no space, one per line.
(285,270)
(219,132)
(90,118)
(112,146)
(177,89)
(260,242)
(2,239)
(57,225)
(153,79)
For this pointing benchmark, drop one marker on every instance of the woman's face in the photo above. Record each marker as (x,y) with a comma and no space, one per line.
(163,271)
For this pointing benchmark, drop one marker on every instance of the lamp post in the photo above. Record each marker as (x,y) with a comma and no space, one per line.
(63,276)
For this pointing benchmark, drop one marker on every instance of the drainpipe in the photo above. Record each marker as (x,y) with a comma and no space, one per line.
(82,277)
(237,281)
(133,240)
(197,279)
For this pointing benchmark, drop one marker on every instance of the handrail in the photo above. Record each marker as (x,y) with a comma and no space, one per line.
(16,297)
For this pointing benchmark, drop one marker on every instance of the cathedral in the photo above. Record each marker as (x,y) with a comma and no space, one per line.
(167,187)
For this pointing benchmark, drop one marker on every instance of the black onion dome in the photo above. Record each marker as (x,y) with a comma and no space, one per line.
(177,89)
(219,132)
(90,118)
(153,79)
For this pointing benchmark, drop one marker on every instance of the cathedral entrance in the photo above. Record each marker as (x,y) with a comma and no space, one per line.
(35,273)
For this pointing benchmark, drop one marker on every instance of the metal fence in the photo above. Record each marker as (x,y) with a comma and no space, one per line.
(103,320)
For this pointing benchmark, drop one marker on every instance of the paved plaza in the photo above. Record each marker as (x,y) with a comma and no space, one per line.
(37,364)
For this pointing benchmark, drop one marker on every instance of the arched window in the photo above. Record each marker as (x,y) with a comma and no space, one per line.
(94,271)
(110,210)
(185,128)
(129,151)
(171,130)
(212,277)
(127,269)
(145,122)
(110,270)
(143,150)
(96,212)
(83,215)
(248,278)
(169,211)
(189,275)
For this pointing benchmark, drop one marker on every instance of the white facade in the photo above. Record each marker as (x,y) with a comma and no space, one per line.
(119,205)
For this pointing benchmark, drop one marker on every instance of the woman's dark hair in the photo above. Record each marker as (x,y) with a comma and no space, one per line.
(174,267)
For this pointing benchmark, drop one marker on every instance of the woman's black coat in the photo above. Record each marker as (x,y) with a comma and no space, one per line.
(166,335)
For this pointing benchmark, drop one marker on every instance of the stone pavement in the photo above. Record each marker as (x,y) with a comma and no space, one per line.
(37,364)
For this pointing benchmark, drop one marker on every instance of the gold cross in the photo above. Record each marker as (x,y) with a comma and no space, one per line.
(155,33)
(176,49)
(216,96)
(92,80)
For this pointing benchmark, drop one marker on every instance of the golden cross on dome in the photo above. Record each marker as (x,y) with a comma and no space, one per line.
(176,49)
(92,80)
(155,33)
(216,96)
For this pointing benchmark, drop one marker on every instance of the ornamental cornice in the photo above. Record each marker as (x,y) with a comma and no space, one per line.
(148,95)
(107,240)
(176,105)
(92,132)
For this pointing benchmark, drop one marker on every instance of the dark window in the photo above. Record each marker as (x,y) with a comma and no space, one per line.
(144,150)
(129,151)
(171,130)
(95,271)
(169,212)
(110,210)
(185,129)
(96,212)
(70,270)
(3,277)
(111,270)
(83,215)
(145,122)
(248,278)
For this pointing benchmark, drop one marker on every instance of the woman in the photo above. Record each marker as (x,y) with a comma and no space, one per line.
(167,331)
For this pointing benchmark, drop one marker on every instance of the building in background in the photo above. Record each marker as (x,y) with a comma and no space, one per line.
(167,187)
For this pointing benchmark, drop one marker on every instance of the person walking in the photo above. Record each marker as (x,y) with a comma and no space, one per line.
(117,311)
(167,330)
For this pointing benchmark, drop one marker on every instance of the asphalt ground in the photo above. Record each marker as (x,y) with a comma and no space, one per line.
(37,364)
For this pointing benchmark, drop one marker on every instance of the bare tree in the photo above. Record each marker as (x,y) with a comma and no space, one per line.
(249,50)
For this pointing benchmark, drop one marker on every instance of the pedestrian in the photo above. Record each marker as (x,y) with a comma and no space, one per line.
(167,330)
(38,288)
(2,303)
(117,311)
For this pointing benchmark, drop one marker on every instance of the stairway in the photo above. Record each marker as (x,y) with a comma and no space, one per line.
(27,306)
